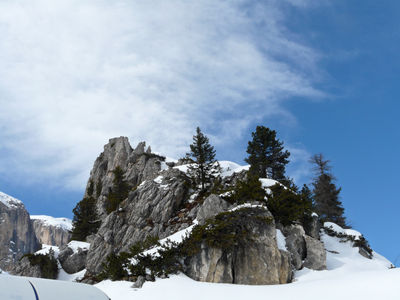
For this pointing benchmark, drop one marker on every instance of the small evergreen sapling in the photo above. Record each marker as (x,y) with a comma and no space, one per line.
(119,191)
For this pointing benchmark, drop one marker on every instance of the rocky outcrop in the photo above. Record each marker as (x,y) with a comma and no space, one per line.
(52,231)
(152,209)
(305,251)
(212,206)
(24,268)
(316,254)
(296,245)
(253,259)
(17,236)
(138,165)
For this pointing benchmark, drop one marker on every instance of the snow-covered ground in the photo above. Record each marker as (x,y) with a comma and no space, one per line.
(349,276)
(64,223)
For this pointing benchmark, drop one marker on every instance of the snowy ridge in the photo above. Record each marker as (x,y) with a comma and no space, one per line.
(9,201)
(63,223)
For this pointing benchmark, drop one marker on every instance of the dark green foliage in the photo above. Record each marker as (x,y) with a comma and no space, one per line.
(308,205)
(202,154)
(326,194)
(166,262)
(225,231)
(85,221)
(267,157)
(286,206)
(115,267)
(119,191)
(99,187)
(248,190)
(47,263)
(90,188)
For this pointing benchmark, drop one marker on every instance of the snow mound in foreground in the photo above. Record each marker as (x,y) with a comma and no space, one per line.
(349,276)
(64,223)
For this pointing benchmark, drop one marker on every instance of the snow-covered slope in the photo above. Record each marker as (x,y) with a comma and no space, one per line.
(63,223)
(9,201)
(349,276)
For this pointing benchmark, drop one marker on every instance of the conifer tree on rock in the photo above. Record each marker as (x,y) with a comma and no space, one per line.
(85,221)
(326,194)
(119,191)
(205,167)
(267,157)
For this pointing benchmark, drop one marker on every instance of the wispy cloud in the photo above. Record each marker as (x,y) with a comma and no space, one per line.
(74,73)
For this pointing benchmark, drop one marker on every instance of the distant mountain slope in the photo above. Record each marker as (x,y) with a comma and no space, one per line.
(17,236)
(52,231)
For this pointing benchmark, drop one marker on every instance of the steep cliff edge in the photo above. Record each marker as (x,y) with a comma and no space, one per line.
(17,235)
(52,231)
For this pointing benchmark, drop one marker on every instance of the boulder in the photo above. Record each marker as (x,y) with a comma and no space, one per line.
(296,245)
(316,254)
(212,206)
(72,261)
(139,282)
(253,258)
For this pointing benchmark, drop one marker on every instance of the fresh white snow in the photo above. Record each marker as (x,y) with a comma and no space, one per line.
(9,201)
(74,245)
(64,223)
(228,168)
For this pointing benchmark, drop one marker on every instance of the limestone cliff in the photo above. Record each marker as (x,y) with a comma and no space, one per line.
(17,236)
(52,231)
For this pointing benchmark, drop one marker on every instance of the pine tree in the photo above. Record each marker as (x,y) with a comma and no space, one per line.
(326,194)
(85,221)
(119,191)
(267,157)
(204,168)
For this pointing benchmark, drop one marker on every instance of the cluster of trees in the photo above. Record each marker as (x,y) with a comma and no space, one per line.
(267,158)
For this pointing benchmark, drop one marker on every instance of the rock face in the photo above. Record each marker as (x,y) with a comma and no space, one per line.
(212,206)
(52,231)
(17,236)
(316,254)
(24,268)
(137,164)
(305,251)
(254,262)
(296,245)
(151,209)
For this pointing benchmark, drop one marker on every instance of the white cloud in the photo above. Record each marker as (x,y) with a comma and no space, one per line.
(74,73)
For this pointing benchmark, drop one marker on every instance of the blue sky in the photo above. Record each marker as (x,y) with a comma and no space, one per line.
(325,76)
